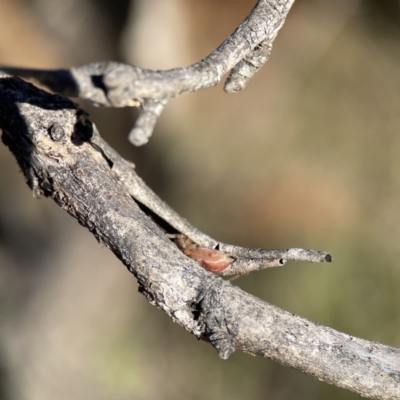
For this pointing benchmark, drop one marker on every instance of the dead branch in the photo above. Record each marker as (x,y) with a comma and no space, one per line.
(63,157)
(112,84)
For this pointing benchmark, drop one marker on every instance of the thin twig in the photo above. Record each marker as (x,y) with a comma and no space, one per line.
(244,259)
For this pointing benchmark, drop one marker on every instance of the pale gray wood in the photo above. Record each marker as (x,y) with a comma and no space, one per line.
(63,157)
(52,141)
(114,84)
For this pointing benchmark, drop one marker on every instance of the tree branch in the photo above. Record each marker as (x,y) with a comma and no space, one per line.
(117,85)
(63,157)
(112,84)
(243,260)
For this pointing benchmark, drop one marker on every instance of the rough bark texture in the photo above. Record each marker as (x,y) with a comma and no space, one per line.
(63,157)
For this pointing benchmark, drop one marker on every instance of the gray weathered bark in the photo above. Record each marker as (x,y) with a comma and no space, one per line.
(112,84)
(63,156)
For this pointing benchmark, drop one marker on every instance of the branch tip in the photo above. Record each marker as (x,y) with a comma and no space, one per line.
(145,123)
(233,86)
(138,136)
(308,255)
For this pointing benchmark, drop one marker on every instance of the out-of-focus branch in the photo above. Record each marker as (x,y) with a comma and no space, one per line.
(114,84)
(63,157)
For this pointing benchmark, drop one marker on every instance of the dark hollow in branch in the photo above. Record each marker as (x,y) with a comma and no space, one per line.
(51,139)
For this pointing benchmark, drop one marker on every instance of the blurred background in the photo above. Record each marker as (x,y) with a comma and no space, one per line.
(306,156)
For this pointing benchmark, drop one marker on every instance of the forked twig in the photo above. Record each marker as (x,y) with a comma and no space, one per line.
(112,84)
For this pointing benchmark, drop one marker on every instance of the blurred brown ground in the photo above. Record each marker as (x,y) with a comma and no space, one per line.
(306,156)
